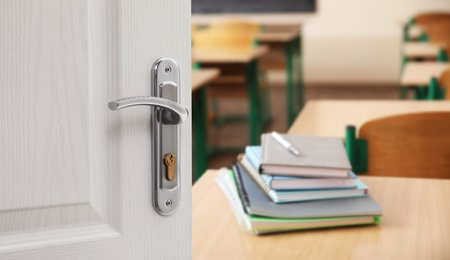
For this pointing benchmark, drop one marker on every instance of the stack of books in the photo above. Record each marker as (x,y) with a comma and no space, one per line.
(273,188)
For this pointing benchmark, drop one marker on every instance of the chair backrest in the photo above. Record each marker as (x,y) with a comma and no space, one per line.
(222,39)
(411,145)
(235,25)
(425,18)
(439,31)
(444,81)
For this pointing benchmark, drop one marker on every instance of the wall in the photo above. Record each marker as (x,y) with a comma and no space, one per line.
(351,41)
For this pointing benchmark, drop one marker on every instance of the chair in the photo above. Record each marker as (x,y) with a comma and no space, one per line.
(423,20)
(430,17)
(251,28)
(233,36)
(411,145)
(235,25)
(444,82)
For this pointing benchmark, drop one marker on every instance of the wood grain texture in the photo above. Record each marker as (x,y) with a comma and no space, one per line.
(414,226)
(150,30)
(90,242)
(44,93)
(420,73)
(330,117)
(66,160)
(412,145)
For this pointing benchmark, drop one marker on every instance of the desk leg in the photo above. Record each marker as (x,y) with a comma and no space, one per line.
(290,83)
(199,121)
(299,72)
(251,74)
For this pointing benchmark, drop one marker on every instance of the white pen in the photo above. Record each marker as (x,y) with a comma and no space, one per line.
(285,143)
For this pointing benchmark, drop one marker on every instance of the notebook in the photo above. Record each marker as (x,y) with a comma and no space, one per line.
(253,154)
(264,225)
(319,157)
(256,203)
(287,196)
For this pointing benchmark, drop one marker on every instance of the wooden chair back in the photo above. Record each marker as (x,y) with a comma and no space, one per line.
(444,81)
(235,25)
(223,39)
(439,31)
(429,17)
(412,145)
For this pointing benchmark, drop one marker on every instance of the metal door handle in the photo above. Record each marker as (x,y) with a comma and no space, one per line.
(167,116)
(175,114)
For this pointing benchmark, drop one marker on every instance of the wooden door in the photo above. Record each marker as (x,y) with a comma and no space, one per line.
(75,177)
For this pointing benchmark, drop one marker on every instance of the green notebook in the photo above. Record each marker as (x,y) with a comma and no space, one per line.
(260,224)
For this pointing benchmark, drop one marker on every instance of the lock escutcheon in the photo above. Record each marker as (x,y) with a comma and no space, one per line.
(170,161)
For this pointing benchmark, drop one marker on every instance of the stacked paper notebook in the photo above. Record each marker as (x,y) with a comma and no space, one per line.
(274,190)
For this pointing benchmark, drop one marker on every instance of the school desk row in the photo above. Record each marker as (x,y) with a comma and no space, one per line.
(290,41)
(415,210)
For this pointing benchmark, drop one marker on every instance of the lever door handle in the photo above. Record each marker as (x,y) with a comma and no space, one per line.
(168,114)
(173,113)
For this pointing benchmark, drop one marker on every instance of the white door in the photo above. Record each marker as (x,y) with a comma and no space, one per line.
(75,177)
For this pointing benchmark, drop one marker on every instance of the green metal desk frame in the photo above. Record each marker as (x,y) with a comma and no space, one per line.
(199,122)
(431,92)
(356,150)
(294,87)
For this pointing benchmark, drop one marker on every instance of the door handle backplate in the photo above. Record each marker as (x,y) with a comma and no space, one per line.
(166,116)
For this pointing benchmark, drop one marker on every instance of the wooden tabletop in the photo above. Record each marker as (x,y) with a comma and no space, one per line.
(421,50)
(330,117)
(203,76)
(232,55)
(420,73)
(283,36)
(415,225)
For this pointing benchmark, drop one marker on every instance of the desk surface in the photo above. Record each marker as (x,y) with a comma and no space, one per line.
(420,73)
(232,55)
(203,76)
(415,225)
(421,49)
(329,118)
(283,36)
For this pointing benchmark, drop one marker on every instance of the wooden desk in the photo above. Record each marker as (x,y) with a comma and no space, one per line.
(419,73)
(330,117)
(421,50)
(416,212)
(232,55)
(415,225)
(249,58)
(290,41)
(200,78)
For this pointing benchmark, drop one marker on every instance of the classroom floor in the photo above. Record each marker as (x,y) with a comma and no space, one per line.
(235,133)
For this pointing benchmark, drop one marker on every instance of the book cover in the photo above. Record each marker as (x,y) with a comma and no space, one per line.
(253,154)
(265,225)
(319,157)
(260,205)
(286,196)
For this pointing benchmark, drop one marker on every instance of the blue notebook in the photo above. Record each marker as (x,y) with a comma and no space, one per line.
(253,154)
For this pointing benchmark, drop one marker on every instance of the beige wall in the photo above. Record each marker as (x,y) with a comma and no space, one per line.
(352,41)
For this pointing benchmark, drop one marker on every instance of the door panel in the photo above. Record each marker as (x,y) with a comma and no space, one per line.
(75,176)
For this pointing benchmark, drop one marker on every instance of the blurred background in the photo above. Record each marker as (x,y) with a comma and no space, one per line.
(347,49)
